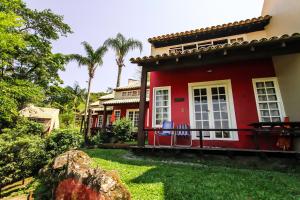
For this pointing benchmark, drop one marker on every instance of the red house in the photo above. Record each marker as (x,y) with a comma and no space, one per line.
(222,77)
(122,103)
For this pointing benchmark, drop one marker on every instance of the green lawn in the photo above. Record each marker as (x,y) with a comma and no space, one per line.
(149,179)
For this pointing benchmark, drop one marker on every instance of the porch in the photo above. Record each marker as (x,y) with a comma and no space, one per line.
(226,64)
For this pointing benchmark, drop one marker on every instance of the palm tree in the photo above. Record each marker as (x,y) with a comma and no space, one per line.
(92,60)
(79,95)
(122,46)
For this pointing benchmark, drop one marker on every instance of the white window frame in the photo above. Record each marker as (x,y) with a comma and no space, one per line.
(278,94)
(154,125)
(107,120)
(134,111)
(115,114)
(230,107)
(100,116)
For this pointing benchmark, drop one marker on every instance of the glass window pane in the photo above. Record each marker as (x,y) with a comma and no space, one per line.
(198,116)
(214,91)
(264,113)
(218,125)
(196,92)
(271,91)
(272,98)
(218,134)
(273,105)
(216,107)
(217,115)
(260,84)
(224,115)
(269,84)
(276,119)
(203,91)
(226,134)
(197,108)
(261,91)
(263,106)
(205,116)
(223,107)
(221,90)
(275,113)
(262,98)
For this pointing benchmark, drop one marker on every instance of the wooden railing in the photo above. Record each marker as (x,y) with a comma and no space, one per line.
(255,132)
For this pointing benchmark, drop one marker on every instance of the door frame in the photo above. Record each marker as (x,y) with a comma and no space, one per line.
(231,109)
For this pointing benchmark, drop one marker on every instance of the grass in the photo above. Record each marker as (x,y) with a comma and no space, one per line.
(154,179)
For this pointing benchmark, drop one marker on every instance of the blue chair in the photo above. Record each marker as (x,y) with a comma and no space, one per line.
(166,125)
(183,132)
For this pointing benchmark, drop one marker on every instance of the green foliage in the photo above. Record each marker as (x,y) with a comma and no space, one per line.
(14,95)
(22,151)
(122,130)
(26,49)
(60,141)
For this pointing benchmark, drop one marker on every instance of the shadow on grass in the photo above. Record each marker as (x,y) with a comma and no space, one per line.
(200,182)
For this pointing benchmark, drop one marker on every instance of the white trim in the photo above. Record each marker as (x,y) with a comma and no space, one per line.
(134,111)
(98,121)
(278,94)
(230,107)
(115,113)
(154,105)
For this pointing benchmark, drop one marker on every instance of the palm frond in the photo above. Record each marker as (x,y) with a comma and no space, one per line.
(88,48)
(78,58)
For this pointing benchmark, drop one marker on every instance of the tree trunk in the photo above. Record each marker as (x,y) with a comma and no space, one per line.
(85,111)
(119,75)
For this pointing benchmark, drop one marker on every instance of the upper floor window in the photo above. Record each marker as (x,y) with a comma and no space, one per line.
(124,94)
(233,40)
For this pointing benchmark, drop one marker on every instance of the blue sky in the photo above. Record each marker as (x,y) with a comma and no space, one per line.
(96,20)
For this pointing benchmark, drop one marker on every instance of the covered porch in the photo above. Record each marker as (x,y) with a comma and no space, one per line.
(252,137)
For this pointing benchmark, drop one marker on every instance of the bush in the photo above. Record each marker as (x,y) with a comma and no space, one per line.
(20,157)
(62,140)
(122,130)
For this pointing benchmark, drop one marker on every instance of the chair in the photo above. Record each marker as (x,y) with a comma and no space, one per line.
(184,133)
(166,125)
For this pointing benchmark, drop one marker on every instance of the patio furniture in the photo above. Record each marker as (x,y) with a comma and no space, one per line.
(166,125)
(182,131)
(286,132)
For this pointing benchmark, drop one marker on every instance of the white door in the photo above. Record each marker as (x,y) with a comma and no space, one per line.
(211,110)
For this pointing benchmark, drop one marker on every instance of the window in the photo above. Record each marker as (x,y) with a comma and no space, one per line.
(117,114)
(133,116)
(233,40)
(100,120)
(108,120)
(161,104)
(189,47)
(124,94)
(268,100)
(216,42)
(204,44)
(129,93)
(211,107)
(134,93)
(176,49)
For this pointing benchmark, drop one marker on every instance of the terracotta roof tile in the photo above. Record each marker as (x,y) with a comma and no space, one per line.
(214,48)
(207,29)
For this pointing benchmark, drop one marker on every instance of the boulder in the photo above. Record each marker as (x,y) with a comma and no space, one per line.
(75,179)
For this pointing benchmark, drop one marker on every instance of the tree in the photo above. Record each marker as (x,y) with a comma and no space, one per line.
(122,46)
(92,60)
(15,95)
(31,58)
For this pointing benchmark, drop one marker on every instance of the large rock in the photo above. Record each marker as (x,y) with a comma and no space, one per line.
(77,180)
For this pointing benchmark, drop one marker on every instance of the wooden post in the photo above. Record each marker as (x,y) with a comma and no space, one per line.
(104,118)
(89,123)
(142,108)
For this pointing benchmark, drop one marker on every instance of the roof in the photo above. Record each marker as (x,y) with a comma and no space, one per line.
(108,96)
(238,27)
(122,101)
(39,112)
(96,103)
(212,49)
(135,85)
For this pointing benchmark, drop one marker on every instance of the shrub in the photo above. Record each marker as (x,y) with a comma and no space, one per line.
(62,140)
(20,157)
(122,130)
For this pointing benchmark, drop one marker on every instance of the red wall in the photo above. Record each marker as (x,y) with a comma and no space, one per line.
(124,107)
(240,73)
